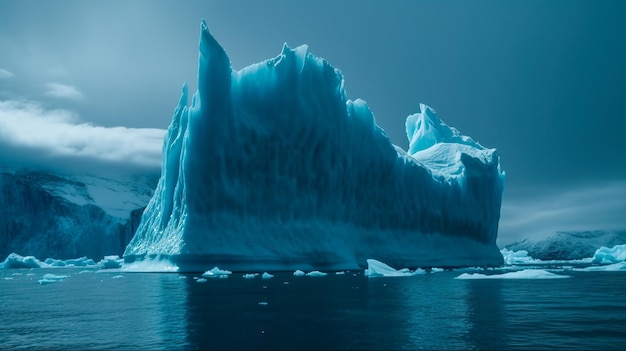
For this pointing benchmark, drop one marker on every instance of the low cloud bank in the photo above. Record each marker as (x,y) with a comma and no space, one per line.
(58,140)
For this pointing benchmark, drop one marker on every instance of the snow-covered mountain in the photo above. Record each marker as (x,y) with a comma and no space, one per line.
(569,245)
(272,167)
(67,216)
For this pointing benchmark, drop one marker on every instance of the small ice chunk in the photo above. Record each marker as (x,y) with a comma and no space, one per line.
(298,273)
(316,274)
(80,262)
(249,276)
(266,275)
(182,277)
(111,262)
(517,257)
(8,278)
(376,268)
(201,280)
(118,277)
(523,274)
(215,272)
(263,303)
(436,270)
(340,273)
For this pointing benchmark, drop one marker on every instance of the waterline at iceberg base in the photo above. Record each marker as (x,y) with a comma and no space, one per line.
(273,168)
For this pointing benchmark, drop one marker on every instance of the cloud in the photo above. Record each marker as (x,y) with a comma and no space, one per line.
(4,74)
(593,207)
(63,91)
(35,137)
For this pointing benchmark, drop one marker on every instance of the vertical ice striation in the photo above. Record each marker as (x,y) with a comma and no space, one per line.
(273,168)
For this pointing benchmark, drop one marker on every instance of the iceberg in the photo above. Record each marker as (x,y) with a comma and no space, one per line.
(16,261)
(605,255)
(271,167)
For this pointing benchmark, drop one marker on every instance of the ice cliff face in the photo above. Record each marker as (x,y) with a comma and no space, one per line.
(569,245)
(61,216)
(272,167)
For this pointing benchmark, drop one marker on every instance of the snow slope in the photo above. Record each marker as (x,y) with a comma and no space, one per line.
(66,216)
(568,245)
(273,168)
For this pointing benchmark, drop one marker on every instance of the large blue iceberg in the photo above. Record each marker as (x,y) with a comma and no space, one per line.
(273,168)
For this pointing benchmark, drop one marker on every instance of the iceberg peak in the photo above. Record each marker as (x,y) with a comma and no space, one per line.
(424,129)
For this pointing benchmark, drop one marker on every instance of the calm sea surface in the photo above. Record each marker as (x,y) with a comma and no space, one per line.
(101,310)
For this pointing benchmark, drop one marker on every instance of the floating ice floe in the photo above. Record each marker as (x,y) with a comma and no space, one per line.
(523,274)
(118,277)
(201,280)
(51,278)
(615,267)
(376,268)
(316,274)
(215,272)
(266,275)
(340,273)
(298,273)
(249,275)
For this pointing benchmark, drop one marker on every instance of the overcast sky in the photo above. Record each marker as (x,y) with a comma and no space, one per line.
(544,82)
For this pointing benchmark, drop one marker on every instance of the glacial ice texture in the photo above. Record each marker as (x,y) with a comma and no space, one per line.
(65,216)
(272,168)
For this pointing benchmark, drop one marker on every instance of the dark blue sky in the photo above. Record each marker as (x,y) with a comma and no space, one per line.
(544,82)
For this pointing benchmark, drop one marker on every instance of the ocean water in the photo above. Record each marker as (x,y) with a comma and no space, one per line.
(113,310)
